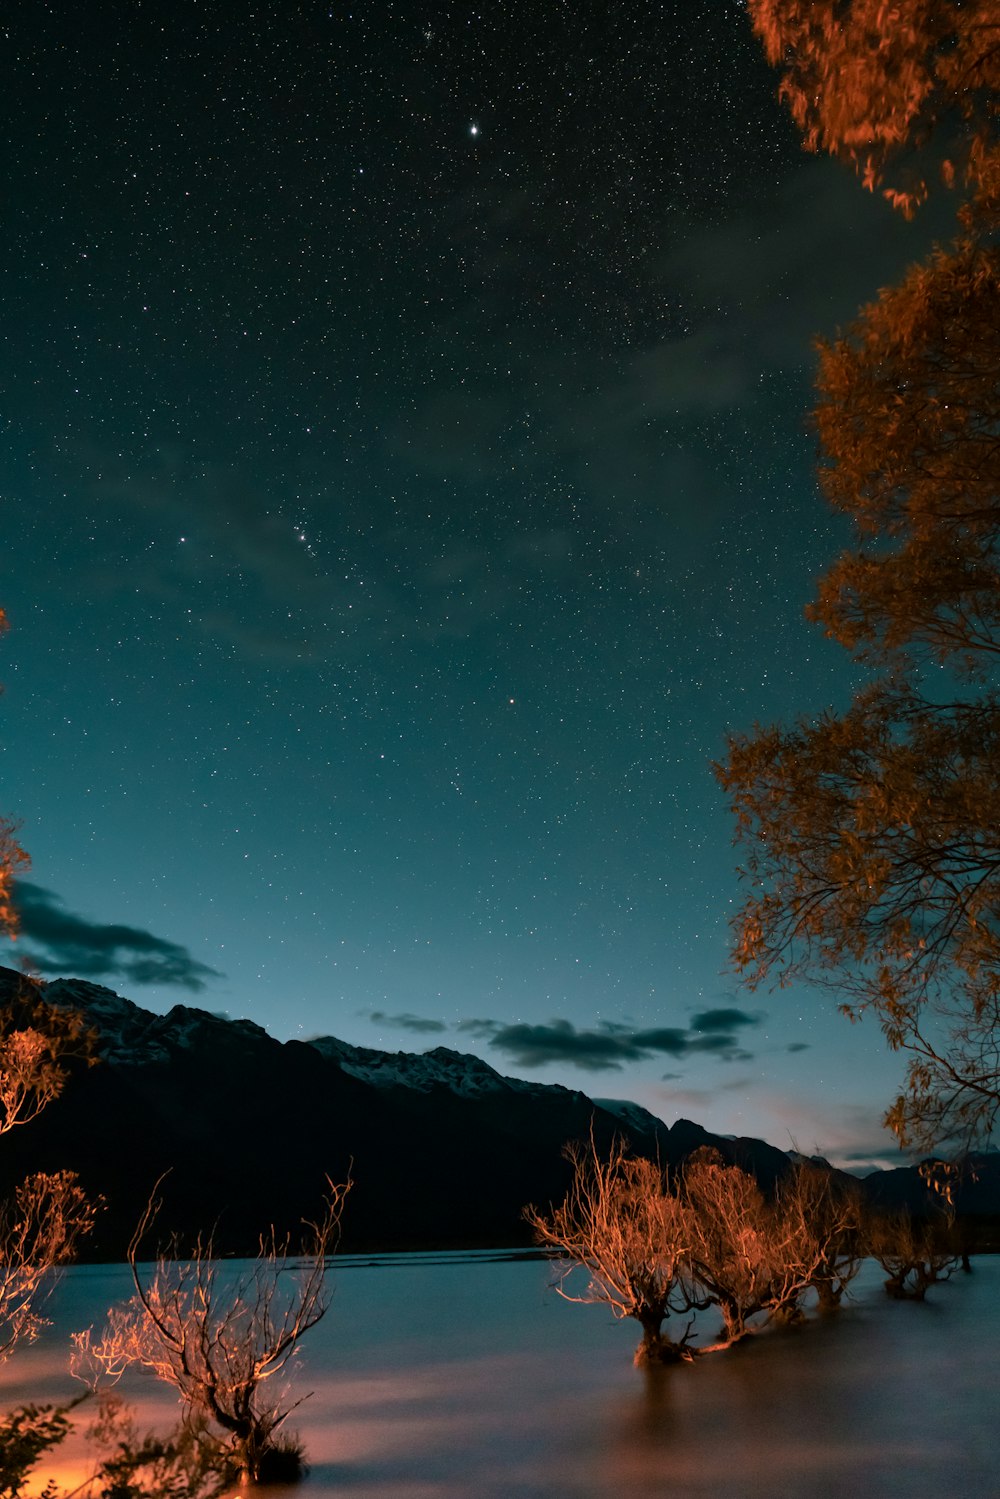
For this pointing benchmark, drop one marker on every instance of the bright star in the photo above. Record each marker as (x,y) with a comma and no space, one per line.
(473,129)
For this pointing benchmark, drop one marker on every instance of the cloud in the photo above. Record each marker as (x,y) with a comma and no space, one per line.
(408,1022)
(610,1047)
(723,1020)
(478,1028)
(70,944)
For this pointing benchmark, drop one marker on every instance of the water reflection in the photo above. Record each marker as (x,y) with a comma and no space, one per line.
(438,1379)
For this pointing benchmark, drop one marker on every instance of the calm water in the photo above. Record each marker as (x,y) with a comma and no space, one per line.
(447,1377)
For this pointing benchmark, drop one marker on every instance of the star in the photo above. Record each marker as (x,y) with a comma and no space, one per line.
(473,129)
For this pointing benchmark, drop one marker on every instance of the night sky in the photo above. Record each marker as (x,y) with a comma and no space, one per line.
(406,483)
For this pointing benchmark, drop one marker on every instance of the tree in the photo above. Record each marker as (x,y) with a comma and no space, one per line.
(13,861)
(631,1237)
(874,865)
(744,1257)
(37,1040)
(868,82)
(873,860)
(39,1229)
(49,1213)
(914,1253)
(42,1223)
(223,1338)
(823,1237)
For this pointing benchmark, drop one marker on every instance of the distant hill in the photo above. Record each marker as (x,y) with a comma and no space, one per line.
(444,1151)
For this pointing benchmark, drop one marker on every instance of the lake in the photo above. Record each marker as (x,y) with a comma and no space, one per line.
(450,1376)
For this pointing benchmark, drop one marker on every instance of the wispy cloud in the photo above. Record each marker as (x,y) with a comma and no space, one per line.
(64,943)
(408,1022)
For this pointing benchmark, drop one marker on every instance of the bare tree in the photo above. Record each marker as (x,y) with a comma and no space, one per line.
(39,1229)
(222,1338)
(36,1042)
(48,1213)
(740,1249)
(913,1252)
(631,1237)
(824,1244)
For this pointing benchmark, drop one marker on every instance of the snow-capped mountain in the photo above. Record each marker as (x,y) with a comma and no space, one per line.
(129,1036)
(467,1076)
(444,1151)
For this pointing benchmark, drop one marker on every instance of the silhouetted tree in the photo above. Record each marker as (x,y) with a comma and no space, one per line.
(222,1338)
(631,1237)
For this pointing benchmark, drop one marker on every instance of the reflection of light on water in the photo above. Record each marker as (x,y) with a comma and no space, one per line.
(440,1380)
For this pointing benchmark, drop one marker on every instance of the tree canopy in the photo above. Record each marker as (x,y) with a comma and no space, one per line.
(873,834)
(870,81)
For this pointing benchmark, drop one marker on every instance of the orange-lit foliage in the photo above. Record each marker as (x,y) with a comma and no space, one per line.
(873,862)
(36,1042)
(735,1250)
(908,417)
(821,1216)
(866,80)
(873,836)
(39,1229)
(48,1213)
(13,861)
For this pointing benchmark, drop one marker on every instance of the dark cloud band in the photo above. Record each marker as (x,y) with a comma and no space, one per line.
(63,943)
(408,1022)
(611,1046)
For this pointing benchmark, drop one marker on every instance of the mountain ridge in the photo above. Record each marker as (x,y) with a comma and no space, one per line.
(444,1151)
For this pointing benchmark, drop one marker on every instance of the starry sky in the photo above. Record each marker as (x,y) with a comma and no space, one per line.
(406,484)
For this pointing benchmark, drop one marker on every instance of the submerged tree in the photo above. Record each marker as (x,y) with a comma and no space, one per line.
(823,1239)
(914,1252)
(223,1338)
(742,1252)
(650,1251)
(631,1237)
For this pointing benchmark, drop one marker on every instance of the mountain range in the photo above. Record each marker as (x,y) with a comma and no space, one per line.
(444,1151)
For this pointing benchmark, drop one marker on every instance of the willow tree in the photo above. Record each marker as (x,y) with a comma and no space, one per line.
(872,835)
(223,1337)
(631,1238)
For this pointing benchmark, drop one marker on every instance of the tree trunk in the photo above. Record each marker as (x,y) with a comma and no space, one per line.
(655,1349)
